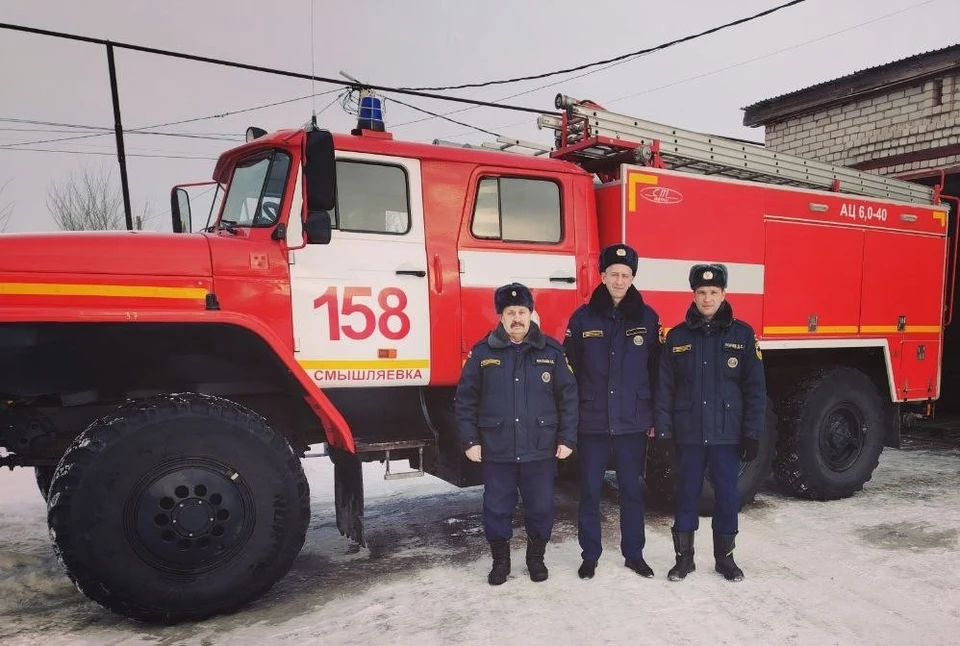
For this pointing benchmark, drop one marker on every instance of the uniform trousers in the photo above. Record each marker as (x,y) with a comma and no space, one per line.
(723,461)
(504,483)
(629,453)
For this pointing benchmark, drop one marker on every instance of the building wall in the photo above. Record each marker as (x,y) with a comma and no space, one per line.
(904,120)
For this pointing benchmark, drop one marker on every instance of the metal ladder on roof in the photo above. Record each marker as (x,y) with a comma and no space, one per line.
(503,144)
(587,135)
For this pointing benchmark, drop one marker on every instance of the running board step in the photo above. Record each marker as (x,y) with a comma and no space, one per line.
(386,447)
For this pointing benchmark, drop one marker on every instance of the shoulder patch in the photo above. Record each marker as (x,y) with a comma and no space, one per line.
(677,349)
(568,333)
(756,343)
(592,334)
(661,335)
(489,362)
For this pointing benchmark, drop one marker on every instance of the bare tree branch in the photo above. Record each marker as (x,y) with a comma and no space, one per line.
(89,201)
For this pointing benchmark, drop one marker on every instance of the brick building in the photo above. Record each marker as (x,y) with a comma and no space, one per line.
(901,118)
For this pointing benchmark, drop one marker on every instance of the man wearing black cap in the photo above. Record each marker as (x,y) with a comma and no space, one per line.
(613,343)
(516,410)
(711,402)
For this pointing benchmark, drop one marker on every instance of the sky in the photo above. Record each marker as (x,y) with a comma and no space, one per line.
(701,85)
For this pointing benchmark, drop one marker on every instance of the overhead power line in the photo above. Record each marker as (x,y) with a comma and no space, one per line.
(110,154)
(267,70)
(445,118)
(695,77)
(606,61)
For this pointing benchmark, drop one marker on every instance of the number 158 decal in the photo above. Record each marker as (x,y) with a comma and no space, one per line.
(392,321)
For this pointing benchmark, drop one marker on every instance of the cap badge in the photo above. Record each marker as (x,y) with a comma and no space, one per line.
(707,275)
(621,252)
(513,293)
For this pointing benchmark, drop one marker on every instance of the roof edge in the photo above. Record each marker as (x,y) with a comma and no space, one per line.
(874,80)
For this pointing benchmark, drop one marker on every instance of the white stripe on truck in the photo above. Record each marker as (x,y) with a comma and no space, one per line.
(672,275)
(496,268)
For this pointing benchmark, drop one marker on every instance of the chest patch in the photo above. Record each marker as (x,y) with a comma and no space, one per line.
(638,340)
(489,362)
(677,349)
(546,377)
(592,334)
(733,362)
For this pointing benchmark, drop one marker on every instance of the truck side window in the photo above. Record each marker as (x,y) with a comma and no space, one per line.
(256,190)
(372,198)
(515,209)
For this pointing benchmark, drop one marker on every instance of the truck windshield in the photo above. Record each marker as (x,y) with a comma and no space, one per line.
(256,190)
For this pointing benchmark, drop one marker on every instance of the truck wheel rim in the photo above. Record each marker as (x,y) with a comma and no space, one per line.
(189,515)
(842,437)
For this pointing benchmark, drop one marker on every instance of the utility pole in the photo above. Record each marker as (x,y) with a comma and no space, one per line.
(118,130)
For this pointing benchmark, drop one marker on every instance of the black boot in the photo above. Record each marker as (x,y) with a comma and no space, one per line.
(723,545)
(683,546)
(535,550)
(639,566)
(587,569)
(501,562)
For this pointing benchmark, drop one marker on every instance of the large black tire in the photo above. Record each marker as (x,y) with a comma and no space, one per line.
(831,435)
(660,476)
(44,476)
(178,507)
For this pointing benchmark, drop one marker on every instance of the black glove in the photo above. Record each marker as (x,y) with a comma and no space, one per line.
(749,448)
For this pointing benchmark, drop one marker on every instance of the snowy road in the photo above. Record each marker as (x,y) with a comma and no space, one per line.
(880,568)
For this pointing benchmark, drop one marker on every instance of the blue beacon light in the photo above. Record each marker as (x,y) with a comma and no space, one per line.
(371,113)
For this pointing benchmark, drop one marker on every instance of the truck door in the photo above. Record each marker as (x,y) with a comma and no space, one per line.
(360,305)
(519,229)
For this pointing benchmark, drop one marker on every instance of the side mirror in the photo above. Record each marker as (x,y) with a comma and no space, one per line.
(320,171)
(318,227)
(180,211)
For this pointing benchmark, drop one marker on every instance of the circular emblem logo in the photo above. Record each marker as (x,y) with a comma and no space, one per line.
(638,340)
(732,362)
(546,377)
(707,275)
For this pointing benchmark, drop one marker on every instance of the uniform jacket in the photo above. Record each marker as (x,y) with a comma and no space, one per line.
(518,401)
(614,353)
(711,388)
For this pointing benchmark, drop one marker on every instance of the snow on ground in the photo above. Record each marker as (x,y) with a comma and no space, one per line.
(878,568)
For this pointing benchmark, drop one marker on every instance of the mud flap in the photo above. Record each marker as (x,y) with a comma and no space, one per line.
(348,494)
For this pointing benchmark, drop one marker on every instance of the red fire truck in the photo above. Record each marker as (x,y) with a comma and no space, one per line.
(165,386)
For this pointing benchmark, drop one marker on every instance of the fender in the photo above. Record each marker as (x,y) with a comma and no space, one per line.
(336,426)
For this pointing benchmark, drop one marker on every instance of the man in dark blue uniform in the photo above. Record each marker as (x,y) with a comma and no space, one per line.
(613,343)
(711,404)
(516,410)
